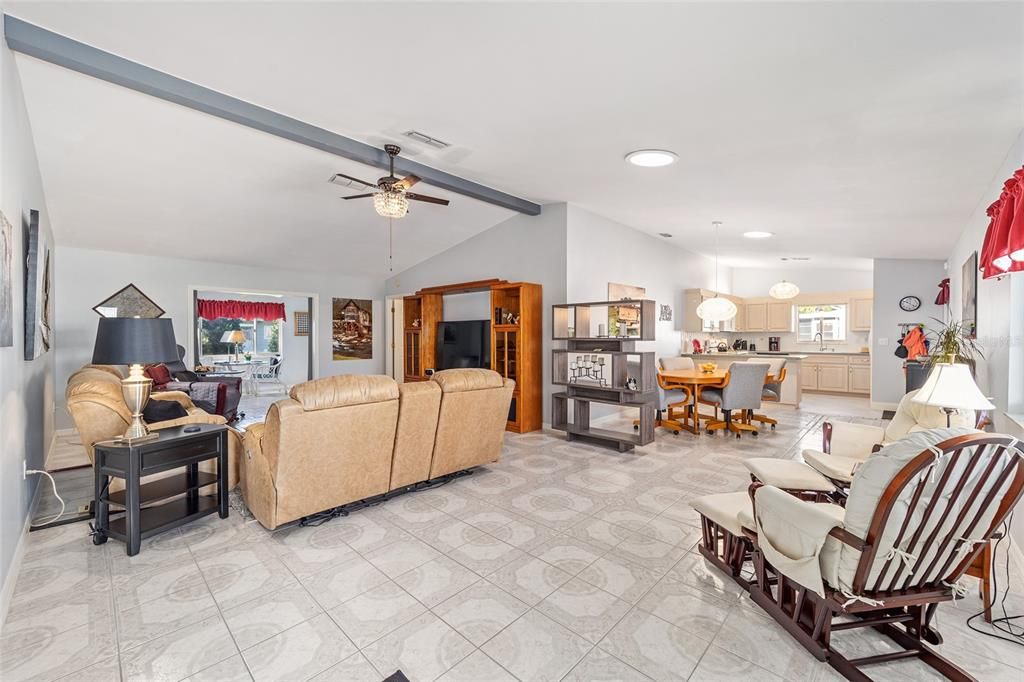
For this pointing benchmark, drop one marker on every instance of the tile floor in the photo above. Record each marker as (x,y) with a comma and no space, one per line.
(561,562)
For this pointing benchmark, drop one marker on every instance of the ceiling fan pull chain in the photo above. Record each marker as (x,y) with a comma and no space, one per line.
(391,241)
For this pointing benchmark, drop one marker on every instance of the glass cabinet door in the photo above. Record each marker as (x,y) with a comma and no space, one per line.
(506,354)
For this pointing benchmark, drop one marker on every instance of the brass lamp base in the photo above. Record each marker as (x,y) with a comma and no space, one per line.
(136,388)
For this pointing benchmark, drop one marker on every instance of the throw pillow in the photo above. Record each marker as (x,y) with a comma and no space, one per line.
(162,410)
(159,374)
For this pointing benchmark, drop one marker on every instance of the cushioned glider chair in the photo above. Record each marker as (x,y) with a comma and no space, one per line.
(919,512)
(845,446)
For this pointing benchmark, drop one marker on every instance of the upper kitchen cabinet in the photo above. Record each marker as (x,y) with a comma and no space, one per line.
(860,314)
(756,315)
(780,317)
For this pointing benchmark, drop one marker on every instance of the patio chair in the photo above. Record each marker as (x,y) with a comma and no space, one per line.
(918,515)
(269,373)
(740,392)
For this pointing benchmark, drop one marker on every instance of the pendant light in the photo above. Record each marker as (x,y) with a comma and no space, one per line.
(716,309)
(783,290)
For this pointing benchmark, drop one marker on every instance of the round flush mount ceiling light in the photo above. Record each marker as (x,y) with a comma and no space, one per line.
(757,235)
(783,290)
(651,158)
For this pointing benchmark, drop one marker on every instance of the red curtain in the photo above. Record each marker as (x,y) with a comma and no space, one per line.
(1003,248)
(240,310)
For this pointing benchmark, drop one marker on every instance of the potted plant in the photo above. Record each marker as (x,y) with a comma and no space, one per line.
(248,357)
(953,344)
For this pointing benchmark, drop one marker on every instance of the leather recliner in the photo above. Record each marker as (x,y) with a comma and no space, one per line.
(98,409)
(347,438)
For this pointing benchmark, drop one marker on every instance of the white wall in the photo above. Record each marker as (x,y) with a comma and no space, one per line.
(522,248)
(601,250)
(895,278)
(755,282)
(86,277)
(294,349)
(1000,316)
(26,388)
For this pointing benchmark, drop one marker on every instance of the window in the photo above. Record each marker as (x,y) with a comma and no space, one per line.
(829,320)
(262,337)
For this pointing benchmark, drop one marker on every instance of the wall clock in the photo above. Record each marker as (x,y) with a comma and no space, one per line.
(910,303)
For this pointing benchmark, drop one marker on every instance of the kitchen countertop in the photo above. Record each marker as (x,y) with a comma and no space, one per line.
(783,354)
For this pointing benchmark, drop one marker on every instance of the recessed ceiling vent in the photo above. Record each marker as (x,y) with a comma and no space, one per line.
(666,235)
(795,258)
(423,138)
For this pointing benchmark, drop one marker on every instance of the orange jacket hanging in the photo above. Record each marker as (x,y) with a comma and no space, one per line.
(914,343)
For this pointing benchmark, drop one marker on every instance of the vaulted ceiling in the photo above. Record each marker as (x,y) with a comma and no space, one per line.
(850,130)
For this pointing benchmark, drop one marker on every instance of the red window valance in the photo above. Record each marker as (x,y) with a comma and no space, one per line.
(240,310)
(1003,248)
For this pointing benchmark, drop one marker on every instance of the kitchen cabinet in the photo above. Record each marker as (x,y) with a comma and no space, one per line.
(755,317)
(860,379)
(809,377)
(860,314)
(833,378)
(780,317)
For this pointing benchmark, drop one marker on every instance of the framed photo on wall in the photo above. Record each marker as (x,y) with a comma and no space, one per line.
(352,329)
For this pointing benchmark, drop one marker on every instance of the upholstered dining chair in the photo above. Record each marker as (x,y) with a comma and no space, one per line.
(740,392)
(772,391)
(671,397)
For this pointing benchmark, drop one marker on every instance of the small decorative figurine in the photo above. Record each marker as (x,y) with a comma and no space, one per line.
(631,383)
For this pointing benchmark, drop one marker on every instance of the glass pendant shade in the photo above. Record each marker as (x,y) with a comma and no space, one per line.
(716,309)
(783,290)
(391,204)
(951,385)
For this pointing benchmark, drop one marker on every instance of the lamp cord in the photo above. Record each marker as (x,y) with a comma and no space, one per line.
(55,494)
(1005,623)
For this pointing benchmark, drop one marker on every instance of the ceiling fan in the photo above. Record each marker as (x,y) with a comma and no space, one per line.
(391,194)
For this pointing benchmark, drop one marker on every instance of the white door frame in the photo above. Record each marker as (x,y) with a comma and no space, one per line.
(314,323)
(394,337)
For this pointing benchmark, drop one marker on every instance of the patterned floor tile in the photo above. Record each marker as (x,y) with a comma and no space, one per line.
(164,615)
(355,668)
(654,647)
(567,553)
(529,579)
(58,655)
(266,616)
(481,611)
(537,648)
(435,581)
(300,652)
(229,670)
(399,557)
(624,579)
(485,554)
(477,667)
(600,666)
(423,649)
(585,609)
(179,654)
(375,613)
(340,583)
(686,607)
(256,580)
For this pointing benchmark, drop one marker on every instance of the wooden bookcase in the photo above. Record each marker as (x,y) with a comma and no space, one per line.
(515,343)
(596,367)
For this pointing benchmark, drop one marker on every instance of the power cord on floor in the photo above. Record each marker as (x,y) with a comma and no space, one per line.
(1004,624)
(59,498)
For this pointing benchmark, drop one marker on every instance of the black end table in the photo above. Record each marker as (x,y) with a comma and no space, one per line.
(174,449)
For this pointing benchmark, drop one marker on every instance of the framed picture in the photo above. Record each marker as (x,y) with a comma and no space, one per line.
(6,283)
(301,319)
(665,313)
(352,329)
(969,296)
(128,302)
(38,290)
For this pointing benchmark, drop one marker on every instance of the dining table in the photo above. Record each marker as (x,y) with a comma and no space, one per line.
(694,379)
(243,367)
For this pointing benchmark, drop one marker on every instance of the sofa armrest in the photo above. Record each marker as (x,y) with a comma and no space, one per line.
(852,440)
(258,487)
(179,397)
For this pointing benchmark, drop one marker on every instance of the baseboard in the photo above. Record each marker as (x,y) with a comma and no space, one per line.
(883,406)
(11,579)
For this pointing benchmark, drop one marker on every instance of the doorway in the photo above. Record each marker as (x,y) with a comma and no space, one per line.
(394,337)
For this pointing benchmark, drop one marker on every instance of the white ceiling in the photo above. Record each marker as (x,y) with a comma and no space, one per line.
(851,130)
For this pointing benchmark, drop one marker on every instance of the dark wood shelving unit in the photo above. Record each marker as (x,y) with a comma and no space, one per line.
(515,345)
(575,368)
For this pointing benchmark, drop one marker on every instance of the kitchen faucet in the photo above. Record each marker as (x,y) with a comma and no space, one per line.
(819,337)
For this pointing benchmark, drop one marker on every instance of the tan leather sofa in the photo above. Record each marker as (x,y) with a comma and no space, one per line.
(346,438)
(98,409)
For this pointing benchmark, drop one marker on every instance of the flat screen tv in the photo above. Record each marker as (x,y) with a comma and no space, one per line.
(464,344)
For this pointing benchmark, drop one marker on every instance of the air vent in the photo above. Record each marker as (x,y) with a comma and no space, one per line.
(795,258)
(423,138)
(666,235)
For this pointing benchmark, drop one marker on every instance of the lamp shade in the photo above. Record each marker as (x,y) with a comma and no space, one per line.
(716,309)
(236,336)
(134,341)
(783,290)
(952,386)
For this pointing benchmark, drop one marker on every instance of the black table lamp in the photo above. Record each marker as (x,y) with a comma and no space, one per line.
(135,341)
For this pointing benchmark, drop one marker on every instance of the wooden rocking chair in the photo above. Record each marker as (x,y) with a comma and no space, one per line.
(955,495)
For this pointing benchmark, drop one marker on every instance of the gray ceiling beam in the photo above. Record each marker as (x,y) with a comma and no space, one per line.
(57,49)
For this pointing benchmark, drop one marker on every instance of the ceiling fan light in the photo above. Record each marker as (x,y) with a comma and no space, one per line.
(391,204)
(716,309)
(783,290)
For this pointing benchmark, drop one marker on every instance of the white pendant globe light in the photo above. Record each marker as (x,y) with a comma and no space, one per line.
(783,290)
(716,309)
